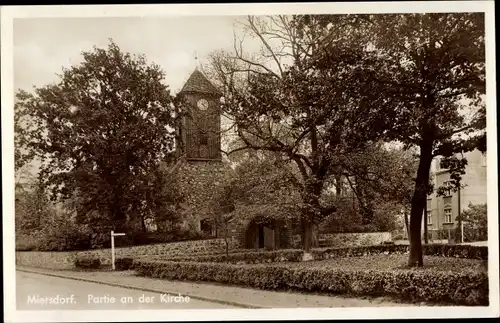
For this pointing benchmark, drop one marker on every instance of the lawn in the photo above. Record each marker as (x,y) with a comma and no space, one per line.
(393,262)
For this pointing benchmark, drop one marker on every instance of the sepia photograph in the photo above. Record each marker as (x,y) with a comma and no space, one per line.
(249,161)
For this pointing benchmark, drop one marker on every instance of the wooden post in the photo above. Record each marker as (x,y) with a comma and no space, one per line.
(460,222)
(113,249)
(113,235)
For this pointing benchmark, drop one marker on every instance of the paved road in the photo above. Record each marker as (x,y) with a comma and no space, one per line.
(40,292)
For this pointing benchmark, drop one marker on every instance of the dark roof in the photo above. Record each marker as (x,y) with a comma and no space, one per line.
(197,82)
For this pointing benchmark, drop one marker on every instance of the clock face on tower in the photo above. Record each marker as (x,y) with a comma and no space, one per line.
(200,130)
(202,104)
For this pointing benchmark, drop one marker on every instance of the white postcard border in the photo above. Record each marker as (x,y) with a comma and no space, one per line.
(10,13)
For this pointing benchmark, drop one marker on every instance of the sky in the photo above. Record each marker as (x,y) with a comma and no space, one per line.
(42,46)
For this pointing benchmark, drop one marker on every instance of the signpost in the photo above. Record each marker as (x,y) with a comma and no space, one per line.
(113,235)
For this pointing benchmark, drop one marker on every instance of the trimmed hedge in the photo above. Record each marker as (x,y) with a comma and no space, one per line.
(250,257)
(295,255)
(181,255)
(457,251)
(124,263)
(443,250)
(464,288)
(87,263)
(147,238)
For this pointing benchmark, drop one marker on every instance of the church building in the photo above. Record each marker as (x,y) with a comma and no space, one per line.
(203,168)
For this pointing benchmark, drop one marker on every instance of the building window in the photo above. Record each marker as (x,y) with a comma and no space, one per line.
(448,184)
(429,217)
(203,138)
(447,214)
(439,164)
(448,187)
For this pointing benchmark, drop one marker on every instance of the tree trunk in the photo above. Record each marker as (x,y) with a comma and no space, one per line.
(226,241)
(307,235)
(426,229)
(119,219)
(338,185)
(314,237)
(407,224)
(308,216)
(418,203)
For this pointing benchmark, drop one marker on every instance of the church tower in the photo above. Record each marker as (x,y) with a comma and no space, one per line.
(202,171)
(200,129)
(199,141)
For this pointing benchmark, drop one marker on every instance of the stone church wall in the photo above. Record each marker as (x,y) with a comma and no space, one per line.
(66,259)
(198,180)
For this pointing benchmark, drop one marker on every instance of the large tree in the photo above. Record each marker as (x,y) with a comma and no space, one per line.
(100,132)
(432,67)
(438,63)
(309,115)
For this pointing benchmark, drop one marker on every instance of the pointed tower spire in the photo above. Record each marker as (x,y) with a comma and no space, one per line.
(199,83)
(199,66)
(196,60)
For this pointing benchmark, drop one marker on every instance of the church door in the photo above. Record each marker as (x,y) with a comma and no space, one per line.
(269,242)
(261,236)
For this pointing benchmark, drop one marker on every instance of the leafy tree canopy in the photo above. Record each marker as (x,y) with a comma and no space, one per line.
(99,131)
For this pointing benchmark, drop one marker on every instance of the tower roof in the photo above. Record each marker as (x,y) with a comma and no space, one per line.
(197,82)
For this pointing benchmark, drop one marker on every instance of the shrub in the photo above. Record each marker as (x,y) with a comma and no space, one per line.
(457,251)
(61,234)
(475,222)
(349,219)
(468,288)
(447,234)
(145,238)
(123,263)
(444,250)
(26,242)
(53,231)
(398,237)
(249,257)
(87,262)
(327,253)
(385,215)
(102,238)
